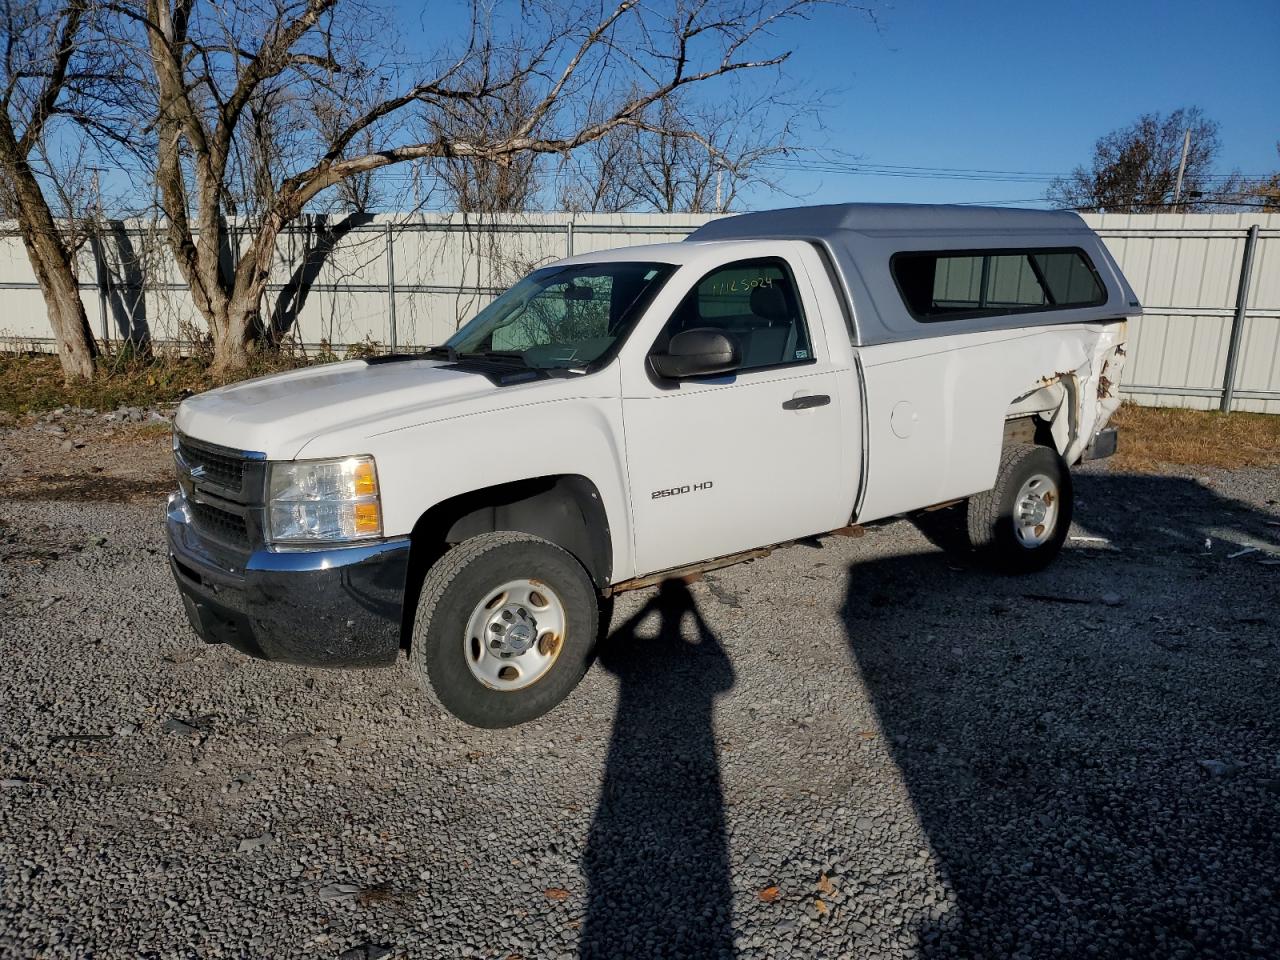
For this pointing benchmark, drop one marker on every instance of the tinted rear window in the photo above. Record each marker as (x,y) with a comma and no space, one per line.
(953,285)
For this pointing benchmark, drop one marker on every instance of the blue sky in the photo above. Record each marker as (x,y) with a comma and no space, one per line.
(1030,86)
(1006,86)
(1003,86)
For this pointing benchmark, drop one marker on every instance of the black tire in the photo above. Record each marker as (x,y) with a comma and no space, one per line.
(993,529)
(450,593)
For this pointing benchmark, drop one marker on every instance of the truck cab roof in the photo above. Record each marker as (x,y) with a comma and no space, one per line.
(872,219)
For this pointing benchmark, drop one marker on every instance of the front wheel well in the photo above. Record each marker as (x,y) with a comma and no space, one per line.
(566,510)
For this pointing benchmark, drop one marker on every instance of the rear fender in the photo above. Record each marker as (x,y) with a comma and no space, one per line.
(937,407)
(1078,403)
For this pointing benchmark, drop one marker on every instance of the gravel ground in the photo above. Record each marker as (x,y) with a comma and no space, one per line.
(852,748)
(74,454)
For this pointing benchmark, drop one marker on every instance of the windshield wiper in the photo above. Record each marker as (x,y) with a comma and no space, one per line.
(450,353)
(516,355)
(453,354)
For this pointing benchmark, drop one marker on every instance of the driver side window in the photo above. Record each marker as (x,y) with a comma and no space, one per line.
(754,301)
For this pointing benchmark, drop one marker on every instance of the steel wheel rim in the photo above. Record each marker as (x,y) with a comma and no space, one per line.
(1035,511)
(514,635)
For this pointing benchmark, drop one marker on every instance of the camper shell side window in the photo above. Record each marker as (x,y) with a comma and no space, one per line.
(962,284)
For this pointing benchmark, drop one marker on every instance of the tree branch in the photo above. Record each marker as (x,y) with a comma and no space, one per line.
(48,97)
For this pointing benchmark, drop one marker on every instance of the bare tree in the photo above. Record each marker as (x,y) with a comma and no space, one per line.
(600,177)
(51,72)
(698,159)
(687,158)
(1135,169)
(1266,192)
(357,194)
(676,173)
(477,184)
(588,72)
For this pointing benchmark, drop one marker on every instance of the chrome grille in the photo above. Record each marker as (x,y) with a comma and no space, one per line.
(230,528)
(216,465)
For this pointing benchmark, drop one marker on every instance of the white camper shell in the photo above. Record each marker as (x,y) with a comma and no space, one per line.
(861,241)
(621,417)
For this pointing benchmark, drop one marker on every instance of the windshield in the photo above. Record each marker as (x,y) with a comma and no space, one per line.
(562,316)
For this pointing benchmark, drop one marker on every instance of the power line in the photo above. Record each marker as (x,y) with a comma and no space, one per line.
(859,166)
(915,172)
(1164,207)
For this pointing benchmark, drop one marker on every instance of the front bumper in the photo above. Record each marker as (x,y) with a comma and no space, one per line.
(329,607)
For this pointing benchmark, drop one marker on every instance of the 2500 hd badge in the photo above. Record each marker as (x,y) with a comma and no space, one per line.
(676,491)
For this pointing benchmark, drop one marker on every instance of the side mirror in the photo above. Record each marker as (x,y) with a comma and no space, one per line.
(697,353)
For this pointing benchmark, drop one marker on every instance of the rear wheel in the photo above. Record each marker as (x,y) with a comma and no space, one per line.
(1021,523)
(504,628)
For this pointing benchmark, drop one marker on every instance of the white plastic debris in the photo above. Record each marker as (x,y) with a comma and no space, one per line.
(339,891)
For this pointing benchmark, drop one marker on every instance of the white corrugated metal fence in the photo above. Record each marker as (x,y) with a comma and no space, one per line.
(412,280)
(1186,270)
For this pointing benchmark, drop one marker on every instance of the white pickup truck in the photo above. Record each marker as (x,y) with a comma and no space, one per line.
(619,417)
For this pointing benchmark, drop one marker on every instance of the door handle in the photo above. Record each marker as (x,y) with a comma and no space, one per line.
(807,402)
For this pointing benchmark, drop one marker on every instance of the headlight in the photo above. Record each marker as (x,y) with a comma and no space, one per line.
(322,501)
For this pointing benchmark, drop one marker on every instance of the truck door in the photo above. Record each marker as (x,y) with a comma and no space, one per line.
(726,463)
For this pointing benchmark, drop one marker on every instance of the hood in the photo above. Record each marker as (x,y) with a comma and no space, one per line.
(277,415)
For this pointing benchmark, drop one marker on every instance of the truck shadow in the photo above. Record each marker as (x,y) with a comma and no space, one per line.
(1050,730)
(658,870)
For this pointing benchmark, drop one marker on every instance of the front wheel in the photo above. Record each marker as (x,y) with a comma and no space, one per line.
(1021,523)
(504,628)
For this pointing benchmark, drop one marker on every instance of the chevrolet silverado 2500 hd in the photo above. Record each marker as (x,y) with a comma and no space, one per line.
(618,416)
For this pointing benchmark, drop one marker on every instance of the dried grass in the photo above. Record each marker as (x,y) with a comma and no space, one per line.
(1151,437)
(31,383)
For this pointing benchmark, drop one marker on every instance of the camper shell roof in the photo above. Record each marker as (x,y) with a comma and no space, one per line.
(860,239)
